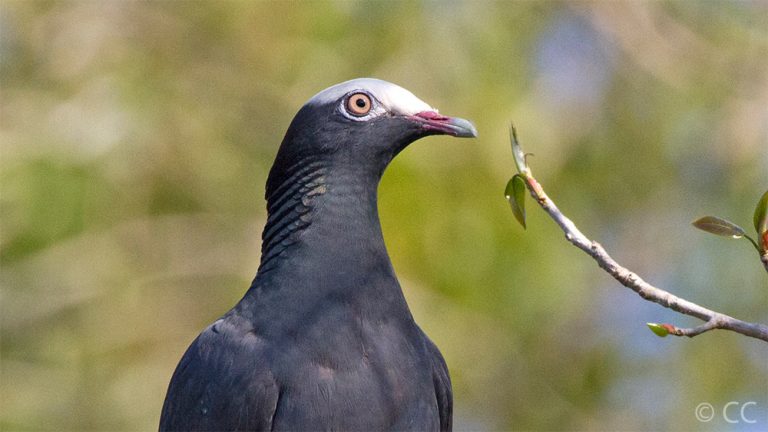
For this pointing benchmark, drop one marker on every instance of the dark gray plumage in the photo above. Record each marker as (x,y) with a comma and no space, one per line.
(323,339)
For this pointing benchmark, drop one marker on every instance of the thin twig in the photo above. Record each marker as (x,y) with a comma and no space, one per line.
(713,320)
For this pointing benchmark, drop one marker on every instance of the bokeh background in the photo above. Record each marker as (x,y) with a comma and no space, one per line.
(137,136)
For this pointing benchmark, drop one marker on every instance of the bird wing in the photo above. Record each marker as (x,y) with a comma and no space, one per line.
(442,382)
(223,382)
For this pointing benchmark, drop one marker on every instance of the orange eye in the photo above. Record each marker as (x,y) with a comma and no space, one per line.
(359,104)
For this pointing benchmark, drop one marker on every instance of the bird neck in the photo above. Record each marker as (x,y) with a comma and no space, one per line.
(323,222)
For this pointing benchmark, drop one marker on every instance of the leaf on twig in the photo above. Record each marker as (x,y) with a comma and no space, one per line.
(517,152)
(659,330)
(515,194)
(761,215)
(718,226)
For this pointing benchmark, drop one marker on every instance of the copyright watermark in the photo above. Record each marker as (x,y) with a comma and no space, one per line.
(704,412)
(732,412)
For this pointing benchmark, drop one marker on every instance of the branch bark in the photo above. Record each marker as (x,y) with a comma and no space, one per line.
(712,319)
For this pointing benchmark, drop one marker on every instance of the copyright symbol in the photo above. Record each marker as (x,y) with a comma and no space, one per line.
(704,412)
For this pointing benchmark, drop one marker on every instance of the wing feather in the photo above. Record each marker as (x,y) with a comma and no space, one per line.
(223,382)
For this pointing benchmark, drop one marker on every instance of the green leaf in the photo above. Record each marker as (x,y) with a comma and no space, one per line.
(517,152)
(718,226)
(658,329)
(761,215)
(515,193)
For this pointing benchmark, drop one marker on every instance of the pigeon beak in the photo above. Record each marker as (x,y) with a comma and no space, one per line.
(433,122)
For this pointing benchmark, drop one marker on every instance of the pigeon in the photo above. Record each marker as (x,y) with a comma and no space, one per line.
(323,339)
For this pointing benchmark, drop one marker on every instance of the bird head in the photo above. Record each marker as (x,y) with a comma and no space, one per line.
(335,152)
(365,121)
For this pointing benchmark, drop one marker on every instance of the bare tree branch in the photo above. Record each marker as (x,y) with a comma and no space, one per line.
(712,320)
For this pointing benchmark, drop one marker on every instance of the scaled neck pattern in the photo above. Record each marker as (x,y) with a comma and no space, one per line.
(290,203)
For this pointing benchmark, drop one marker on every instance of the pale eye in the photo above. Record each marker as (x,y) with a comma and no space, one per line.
(359,104)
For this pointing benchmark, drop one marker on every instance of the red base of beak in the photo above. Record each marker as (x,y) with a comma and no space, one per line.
(441,124)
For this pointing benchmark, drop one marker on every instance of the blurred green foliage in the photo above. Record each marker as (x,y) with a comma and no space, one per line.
(137,136)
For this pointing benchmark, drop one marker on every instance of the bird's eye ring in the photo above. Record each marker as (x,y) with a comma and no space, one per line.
(359,104)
